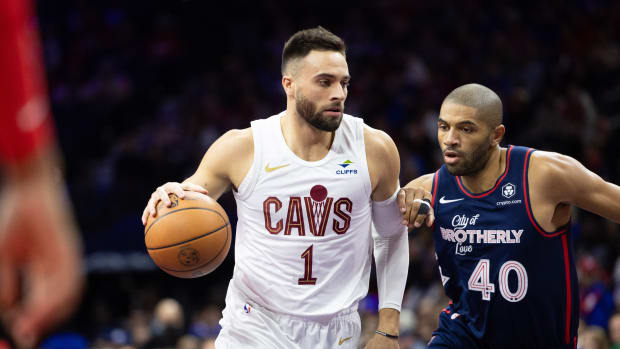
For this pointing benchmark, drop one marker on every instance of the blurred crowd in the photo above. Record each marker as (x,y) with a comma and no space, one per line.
(140,89)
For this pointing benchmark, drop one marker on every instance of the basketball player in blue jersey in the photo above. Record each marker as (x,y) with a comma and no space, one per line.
(501,231)
(308,183)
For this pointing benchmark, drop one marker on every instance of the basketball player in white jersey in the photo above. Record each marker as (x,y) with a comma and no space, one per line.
(308,183)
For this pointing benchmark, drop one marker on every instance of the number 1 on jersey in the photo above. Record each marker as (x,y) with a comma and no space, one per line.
(307,279)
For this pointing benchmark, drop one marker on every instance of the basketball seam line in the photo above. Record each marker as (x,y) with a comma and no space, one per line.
(203,264)
(192,239)
(183,209)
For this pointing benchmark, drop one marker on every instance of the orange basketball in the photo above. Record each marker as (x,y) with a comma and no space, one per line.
(190,238)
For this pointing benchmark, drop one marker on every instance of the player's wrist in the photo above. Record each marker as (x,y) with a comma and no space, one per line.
(389,321)
(387,334)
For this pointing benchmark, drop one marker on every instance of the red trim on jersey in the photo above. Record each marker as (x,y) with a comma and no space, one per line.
(446,310)
(478,196)
(434,197)
(25,123)
(526,198)
(435,181)
(568,289)
(575,342)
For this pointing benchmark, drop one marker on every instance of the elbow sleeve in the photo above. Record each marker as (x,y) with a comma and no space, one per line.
(387,217)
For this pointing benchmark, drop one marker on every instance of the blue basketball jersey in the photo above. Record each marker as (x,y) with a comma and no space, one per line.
(510,281)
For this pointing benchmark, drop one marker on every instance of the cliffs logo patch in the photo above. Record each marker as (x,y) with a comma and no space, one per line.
(346,163)
(344,170)
(508,190)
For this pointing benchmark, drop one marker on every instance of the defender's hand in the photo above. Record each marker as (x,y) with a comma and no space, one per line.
(161,194)
(415,205)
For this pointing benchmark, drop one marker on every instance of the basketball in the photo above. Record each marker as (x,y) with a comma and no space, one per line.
(190,238)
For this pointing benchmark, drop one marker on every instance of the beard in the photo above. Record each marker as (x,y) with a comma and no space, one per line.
(308,111)
(471,163)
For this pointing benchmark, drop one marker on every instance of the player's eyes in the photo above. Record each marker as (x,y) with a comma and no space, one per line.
(467,130)
(324,83)
(442,127)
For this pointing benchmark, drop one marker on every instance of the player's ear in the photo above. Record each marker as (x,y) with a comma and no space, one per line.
(287,84)
(498,134)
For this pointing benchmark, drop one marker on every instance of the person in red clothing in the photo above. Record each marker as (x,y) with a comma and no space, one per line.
(40,263)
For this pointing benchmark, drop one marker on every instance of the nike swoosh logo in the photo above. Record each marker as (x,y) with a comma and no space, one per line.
(342,340)
(271,169)
(443,200)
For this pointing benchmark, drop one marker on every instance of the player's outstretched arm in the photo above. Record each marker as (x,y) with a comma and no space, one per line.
(225,164)
(566,181)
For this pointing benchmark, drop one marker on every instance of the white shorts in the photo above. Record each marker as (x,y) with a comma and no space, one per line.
(245,325)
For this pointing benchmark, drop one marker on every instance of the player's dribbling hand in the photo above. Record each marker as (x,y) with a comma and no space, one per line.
(414,204)
(382,342)
(161,194)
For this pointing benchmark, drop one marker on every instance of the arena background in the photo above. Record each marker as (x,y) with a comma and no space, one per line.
(140,89)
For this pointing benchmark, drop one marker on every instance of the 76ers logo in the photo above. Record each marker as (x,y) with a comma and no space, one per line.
(317,207)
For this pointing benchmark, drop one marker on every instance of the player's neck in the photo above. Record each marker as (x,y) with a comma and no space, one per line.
(486,178)
(305,140)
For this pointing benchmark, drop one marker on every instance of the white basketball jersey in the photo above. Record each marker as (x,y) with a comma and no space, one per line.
(303,242)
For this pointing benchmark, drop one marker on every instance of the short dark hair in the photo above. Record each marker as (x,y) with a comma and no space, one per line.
(487,103)
(304,41)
